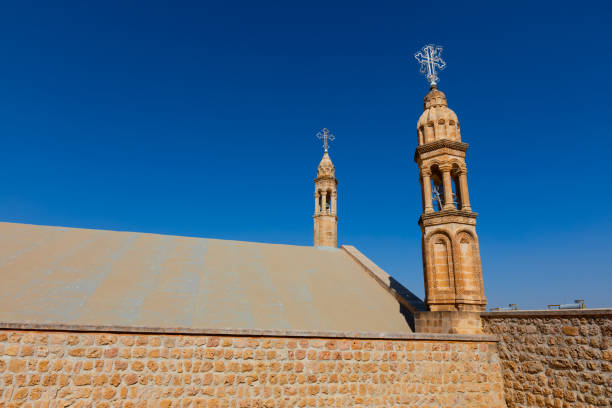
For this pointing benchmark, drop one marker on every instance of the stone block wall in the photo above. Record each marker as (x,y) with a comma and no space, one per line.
(52,368)
(448,322)
(555,358)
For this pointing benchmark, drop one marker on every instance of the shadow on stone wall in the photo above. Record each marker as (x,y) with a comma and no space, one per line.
(415,302)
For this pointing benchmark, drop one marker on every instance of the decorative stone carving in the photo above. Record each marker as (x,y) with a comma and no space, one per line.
(437,122)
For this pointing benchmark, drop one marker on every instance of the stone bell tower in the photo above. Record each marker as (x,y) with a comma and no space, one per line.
(454,290)
(325,216)
(451,258)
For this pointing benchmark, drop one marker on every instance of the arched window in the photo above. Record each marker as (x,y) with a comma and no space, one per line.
(437,188)
(456,185)
(320,209)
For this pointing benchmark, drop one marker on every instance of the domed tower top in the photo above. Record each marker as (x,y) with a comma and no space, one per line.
(434,98)
(438,121)
(326,167)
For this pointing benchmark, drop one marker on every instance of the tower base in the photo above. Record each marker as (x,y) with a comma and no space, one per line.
(447,322)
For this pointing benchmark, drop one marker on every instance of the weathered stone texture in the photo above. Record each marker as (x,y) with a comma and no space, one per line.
(448,322)
(551,360)
(53,369)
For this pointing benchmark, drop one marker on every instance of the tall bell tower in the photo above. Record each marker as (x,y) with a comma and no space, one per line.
(451,256)
(325,214)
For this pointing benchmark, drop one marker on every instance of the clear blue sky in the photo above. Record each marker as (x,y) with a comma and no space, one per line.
(198,118)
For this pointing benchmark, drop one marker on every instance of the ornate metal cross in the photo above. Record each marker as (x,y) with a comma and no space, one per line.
(326,137)
(429,58)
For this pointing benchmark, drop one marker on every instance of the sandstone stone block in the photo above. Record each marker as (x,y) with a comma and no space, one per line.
(16,365)
(569,330)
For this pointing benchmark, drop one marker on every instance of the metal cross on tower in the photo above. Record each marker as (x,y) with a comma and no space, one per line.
(429,58)
(326,137)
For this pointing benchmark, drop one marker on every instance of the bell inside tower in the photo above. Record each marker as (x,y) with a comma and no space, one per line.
(325,202)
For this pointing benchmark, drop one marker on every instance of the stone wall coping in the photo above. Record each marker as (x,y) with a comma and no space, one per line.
(248,332)
(549,313)
(391,285)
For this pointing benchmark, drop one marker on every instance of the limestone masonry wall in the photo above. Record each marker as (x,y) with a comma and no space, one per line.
(88,369)
(555,358)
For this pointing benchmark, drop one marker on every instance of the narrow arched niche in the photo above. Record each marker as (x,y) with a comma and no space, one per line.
(328,203)
(441,263)
(429,132)
(468,282)
(452,130)
(441,134)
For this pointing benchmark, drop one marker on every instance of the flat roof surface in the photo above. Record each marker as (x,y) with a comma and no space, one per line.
(95,277)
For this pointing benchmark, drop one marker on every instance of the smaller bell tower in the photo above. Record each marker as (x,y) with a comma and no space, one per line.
(325,214)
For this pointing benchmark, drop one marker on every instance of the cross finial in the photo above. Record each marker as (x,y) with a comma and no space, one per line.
(429,58)
(326,136)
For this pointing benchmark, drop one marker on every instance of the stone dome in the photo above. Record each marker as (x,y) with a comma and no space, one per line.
(326,167)
(438,121)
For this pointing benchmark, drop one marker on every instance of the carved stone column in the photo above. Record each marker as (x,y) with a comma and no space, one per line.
(333,202)
(317,203)
(448,188)
(463,185)
(426,180)
(324,203)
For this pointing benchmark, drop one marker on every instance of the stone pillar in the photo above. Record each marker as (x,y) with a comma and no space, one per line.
(465,197)
(448,188)
(333,202)
(317,203)
(426,180)
(324,203)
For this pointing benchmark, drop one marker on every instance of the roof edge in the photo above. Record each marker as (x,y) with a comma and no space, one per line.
(408,299)
(248,332)
(157,234)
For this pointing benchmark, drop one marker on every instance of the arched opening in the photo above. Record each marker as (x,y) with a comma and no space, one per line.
(456,186)
(320,202)
(437,188)
(328,199)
